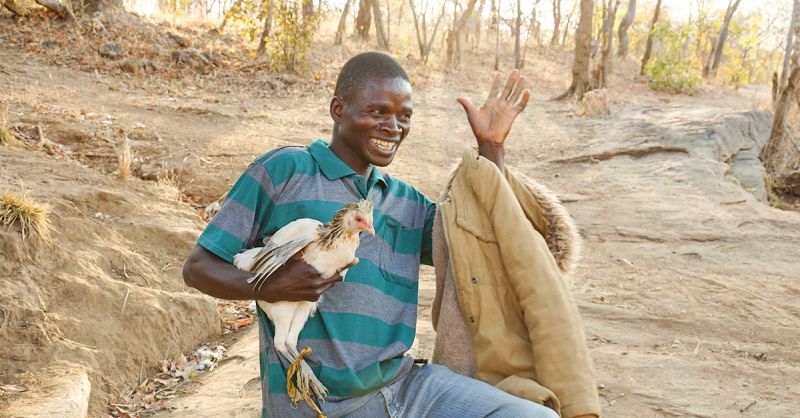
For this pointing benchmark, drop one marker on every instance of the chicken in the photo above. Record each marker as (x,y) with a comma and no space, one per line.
(329,248)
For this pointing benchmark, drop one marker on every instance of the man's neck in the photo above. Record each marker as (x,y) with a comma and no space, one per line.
(339,149)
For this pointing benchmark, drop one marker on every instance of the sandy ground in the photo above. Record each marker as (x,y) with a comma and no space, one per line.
(689,286)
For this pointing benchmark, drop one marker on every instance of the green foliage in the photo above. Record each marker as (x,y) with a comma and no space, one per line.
(293,35)
(672,67)
(673,75)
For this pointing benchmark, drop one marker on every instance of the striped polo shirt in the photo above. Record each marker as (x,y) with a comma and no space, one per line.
(365,324)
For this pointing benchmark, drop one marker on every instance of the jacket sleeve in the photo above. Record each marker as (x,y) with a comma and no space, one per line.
(551,316)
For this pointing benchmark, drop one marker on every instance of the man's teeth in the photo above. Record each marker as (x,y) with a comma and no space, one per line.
(383,145)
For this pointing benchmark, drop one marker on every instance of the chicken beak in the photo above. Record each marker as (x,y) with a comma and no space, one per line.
(370,230)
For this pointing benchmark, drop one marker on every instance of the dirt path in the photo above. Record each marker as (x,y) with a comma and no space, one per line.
(689,287)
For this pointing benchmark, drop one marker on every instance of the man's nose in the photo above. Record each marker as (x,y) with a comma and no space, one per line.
(391,126)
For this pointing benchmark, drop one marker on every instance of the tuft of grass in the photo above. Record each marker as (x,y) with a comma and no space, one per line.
(169,186)
(32,217)
(8,139)
(124,158)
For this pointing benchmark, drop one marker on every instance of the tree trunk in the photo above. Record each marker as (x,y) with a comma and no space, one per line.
(622,31)
(421,28)
(648,49)
(380,35)
(364,19)
(496,14)
(262,43)
(604,66)
(580,68)
(772,153)
(342,23)
(556,22)
(308,9)
(518,30)
(788,54)
(532,26)
(712,64)
(454,37)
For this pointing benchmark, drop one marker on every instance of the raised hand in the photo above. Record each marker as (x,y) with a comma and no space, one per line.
(492,122)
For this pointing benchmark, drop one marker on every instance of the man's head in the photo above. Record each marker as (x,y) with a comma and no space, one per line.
(371,110)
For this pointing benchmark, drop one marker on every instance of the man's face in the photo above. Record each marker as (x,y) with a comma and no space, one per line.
(371,123)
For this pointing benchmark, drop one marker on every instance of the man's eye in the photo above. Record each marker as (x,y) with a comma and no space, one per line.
(405,117)
(375,112)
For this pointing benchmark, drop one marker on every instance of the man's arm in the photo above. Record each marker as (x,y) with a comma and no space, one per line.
(492,122)
(294,281)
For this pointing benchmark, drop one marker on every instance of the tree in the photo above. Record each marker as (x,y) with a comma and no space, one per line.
(773,154)
(454,36)
(380,34)
(556,22)
(518,32)
(787,55)
(712,64)
(648,48)
(342,23)
(496,16)
(622,31)
(580,68)
(421,26)
(262,43)
(364,19)
(607,38)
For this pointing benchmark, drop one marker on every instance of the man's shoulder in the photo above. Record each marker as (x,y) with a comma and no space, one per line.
(286,153)
(400,188)
(282,163)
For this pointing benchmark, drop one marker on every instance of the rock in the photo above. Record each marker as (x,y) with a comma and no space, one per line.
(191,57)
(159,51)
(136,66)
(51,44)
(64,387)
(595,103)
(111,50)
(790,183)
(178,39)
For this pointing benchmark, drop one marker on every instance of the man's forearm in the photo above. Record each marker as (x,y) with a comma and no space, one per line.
(214,276)
(493,152)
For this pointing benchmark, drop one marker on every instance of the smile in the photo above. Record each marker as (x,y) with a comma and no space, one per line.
(384,145)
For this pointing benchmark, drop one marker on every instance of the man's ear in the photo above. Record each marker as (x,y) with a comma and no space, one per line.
(336,108)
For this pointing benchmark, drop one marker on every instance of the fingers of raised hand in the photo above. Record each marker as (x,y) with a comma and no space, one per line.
(523,101)
(510,83)
(495,87)
(518,89)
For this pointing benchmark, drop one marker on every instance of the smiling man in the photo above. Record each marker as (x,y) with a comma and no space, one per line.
(366,324)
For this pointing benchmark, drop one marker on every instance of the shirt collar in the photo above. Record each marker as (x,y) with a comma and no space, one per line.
(333,168)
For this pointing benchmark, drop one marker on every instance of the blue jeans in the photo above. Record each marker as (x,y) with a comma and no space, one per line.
(434,391)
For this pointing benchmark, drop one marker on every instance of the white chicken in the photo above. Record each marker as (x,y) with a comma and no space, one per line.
(328,248)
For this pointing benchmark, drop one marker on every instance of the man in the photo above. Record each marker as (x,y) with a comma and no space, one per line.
(366,324)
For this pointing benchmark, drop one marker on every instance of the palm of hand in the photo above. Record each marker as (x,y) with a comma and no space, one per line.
(492,122)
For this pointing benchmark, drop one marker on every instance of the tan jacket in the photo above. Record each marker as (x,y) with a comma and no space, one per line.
(502,311)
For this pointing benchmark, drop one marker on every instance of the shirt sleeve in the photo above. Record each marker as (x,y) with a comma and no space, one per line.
(236,226)
(426,255)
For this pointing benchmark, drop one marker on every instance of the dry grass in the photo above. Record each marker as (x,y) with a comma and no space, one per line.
(124,157)
(169,185)
(8,139)
(32,217)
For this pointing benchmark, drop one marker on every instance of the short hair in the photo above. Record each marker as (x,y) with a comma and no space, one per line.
(358,70)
